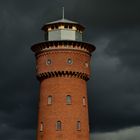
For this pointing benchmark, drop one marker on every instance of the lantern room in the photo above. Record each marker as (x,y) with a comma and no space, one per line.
(63,30)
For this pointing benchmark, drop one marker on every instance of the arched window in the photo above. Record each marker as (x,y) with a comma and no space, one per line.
(41,127)
(68,99)
(58,125)
(84,101)
(86,64)
(78,125)
(49,100)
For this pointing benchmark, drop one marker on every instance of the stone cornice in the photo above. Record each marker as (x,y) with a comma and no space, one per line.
(46,75)
(54,51)
(65,44)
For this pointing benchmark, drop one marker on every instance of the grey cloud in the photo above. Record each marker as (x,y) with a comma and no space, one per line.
(124,134)
(113,91)
(16,133)
(125,45)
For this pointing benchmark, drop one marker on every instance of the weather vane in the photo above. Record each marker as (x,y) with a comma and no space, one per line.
(63,12)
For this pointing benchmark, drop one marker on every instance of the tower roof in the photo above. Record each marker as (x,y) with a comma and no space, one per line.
(62,21)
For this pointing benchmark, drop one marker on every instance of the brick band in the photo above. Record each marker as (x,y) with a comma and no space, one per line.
(55,44)
(47,75)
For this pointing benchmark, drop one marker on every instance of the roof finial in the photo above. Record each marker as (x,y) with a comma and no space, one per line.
(63,12)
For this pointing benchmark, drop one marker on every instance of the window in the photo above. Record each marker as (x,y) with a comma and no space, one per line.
(66,26)
(78,125)
(70,26)
(49,100)
(68,99)
(69,61)
(74,28)
(56,26)
(84,101)
(49,29)
(61,27)
(41,127)
(58,125)
(48,62)
(52,27)
(86,64)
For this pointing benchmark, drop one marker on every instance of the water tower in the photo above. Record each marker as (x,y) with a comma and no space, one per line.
(63,68)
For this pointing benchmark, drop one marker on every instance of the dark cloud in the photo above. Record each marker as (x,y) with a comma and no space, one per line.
(113,90)
(125,44)
(112,25)
(125,134)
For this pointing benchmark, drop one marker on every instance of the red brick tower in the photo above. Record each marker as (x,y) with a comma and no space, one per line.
(63,67)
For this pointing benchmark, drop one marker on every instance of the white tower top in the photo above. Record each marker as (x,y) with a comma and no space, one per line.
(63,29)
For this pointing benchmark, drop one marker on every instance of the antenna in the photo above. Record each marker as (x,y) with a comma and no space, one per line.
(63,12)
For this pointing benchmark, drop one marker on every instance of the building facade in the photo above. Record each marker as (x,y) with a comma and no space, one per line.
(63,68)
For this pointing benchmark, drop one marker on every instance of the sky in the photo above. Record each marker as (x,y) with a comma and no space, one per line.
(113,26)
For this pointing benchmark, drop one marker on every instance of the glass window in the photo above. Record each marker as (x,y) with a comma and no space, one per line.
(68,99)
(70,26)
(48,62)
(74,28)
(41,127)
(84,101)
(61,27)
(49,100)
(69,61)
(58,125)
(66,26)
(78,125)
(49,29)
(86,64)
(56,26)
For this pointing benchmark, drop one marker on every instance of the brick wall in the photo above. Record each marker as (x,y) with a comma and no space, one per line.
(58,87)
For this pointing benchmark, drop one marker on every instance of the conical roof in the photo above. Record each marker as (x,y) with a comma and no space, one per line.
(64,22)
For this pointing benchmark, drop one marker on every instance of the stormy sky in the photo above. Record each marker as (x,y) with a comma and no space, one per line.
(113,26)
